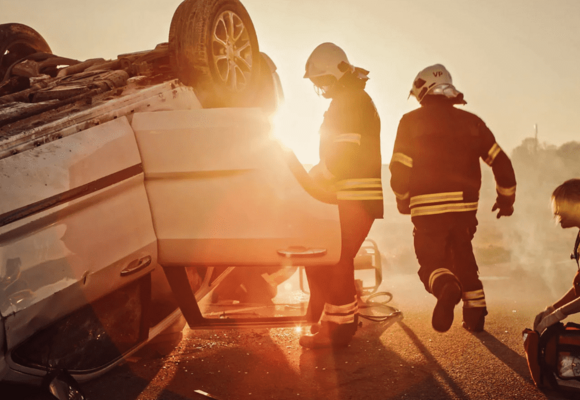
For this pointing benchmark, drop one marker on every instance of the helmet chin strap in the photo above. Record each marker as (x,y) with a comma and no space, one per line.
(324,91)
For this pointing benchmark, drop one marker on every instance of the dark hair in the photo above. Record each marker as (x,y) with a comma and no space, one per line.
(567,191)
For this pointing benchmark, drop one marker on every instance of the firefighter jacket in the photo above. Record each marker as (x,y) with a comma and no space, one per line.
(350,151)
(435,168)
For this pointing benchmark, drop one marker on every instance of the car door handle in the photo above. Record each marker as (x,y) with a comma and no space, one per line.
(136,266)
(301,251)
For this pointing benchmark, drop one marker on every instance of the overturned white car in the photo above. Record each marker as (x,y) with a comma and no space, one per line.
(131,188)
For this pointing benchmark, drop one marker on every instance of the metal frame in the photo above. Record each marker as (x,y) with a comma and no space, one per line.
(188,302)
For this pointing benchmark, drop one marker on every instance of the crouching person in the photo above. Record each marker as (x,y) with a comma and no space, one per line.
(436,177)
(566,209)
(350,162)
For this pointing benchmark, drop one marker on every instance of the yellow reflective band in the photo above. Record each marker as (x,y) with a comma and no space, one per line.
(403,159)
(367,183)
(338,319)
(344,309)
(401,196)
(473,303)
(506,191)
(348,138)
(492,154)
(436,198)
(436,274)
(360,195)
(443,208)
(475,294)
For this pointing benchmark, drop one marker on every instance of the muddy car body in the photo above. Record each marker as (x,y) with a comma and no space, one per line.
(132,187)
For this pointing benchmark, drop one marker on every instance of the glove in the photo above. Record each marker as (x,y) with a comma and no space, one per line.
(551,319)
(547,311)
(504,211)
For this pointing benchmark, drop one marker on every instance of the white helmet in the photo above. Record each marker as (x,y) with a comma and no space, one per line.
(327,59)
(434,80)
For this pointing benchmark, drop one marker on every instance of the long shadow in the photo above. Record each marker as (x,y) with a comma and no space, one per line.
(519,365)
(369,369)
(431,360)
(510,358)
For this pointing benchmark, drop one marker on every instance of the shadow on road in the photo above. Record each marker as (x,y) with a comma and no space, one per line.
(371,369)
(436,369)
(510,358)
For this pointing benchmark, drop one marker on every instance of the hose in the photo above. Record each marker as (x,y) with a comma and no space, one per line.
(368,303)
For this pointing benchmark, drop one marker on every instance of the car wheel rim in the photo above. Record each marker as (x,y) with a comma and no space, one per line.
(232,51)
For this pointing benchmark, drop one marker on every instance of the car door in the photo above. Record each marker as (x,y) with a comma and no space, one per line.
(224,193)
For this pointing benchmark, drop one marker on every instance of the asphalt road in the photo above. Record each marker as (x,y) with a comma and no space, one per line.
(402,358)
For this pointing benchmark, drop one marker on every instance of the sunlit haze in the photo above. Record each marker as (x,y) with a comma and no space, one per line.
(515,61)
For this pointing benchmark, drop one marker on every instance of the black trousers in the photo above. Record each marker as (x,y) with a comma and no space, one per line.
(445,243)
(334,284)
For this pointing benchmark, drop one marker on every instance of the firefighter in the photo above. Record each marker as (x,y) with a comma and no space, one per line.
(436,177)
(566,209)
(350,164)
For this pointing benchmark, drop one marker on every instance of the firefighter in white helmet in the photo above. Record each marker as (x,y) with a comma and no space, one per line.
(350,163)
(436,177)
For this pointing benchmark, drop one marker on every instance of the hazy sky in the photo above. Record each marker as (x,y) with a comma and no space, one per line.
(516,61)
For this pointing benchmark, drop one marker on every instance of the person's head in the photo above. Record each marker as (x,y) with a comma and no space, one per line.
(435,80)
(566,203)
(326,66)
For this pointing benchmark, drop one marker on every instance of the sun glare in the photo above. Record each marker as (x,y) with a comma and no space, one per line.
(299,134)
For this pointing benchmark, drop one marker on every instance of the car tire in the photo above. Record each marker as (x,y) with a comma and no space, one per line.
(269,94)
(18,41)
(187,7)
(214,49)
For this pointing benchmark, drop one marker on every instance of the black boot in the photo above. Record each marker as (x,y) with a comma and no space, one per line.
(474,318)
(336,329)
(448,297)
(330,334)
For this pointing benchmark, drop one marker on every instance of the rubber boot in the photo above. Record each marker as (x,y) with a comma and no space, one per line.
(474,318)
(446,300)
(315,328)
(329,335)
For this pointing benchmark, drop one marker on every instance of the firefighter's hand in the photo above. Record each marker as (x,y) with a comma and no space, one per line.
(550,320)
(504,211)
(547,311)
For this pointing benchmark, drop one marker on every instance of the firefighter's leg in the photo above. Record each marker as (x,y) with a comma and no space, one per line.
(318,286)
(433,252)
(339,319)
(474,306)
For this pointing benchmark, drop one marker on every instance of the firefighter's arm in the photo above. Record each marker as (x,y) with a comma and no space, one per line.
(559,314)
(322,176)
(341,137)
(505,185)
(569,304)
(344,152)
(400,167)
(503,173)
